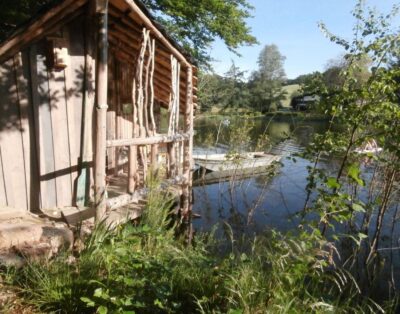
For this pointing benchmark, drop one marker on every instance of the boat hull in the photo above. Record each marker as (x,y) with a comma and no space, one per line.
(222,162)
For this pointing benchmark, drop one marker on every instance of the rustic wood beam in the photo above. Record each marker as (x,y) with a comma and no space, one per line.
(156,32)
(163,67)
(152,140)
(101,122)
(188,146)
(38,28)
(123,200)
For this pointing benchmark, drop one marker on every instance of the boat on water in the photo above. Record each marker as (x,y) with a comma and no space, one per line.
(226,175)
(370,147)
(374,150)
(226,162)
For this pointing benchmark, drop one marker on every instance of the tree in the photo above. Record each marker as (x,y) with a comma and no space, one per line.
(333,75)
(193,23)
(196,23)
(210,91)
(235,87)
(302,79)
(13,13)
(223,92)
(266,83)
(366,108)
(270,64)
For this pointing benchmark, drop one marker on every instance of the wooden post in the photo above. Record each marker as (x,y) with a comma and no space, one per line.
(171,159)
(188,145)
(132,159)
(101,93)
(118,113)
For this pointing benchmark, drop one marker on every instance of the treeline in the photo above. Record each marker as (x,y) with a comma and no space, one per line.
(267,87)
(262,91)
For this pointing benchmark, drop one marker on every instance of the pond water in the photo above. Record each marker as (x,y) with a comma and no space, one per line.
(263,202)
(251,205)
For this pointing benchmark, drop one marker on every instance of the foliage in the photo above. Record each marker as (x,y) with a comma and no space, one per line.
(302,79)
(365,107)
(263,92)
(145,268)
(12,13)
(333,76)
(196,24)
(291,91)
(228,91)
(266,83)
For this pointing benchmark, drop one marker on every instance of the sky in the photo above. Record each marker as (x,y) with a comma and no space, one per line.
(293,26)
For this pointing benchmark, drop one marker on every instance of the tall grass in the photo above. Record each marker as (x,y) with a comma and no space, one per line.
(145,268)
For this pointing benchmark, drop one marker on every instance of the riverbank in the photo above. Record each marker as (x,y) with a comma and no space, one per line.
(146,267)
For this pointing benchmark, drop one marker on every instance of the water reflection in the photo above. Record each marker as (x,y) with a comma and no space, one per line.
(254,204)
(259,203)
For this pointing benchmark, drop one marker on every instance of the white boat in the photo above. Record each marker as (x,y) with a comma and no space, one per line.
(226,175)
(375,150)
(223,162)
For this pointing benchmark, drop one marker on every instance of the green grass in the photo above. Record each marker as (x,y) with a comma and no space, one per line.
(147,268)
(290,89)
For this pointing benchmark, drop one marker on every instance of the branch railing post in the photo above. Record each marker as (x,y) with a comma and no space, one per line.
(101,109)
(188,145)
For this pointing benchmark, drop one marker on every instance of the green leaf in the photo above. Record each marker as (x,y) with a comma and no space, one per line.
(235,311)
(358,208)
(332,183)
(354,173)
(102,310)
(88,301)
(98,293)
(362,235)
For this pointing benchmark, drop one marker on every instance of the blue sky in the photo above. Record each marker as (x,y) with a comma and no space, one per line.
(293,26)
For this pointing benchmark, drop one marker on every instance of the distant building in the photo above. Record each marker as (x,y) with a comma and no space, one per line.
(304,102)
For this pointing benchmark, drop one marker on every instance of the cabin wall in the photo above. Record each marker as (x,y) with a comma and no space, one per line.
(42,111)
(119,113)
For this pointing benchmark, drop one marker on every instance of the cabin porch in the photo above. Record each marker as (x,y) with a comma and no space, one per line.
(97,98)
(149,118)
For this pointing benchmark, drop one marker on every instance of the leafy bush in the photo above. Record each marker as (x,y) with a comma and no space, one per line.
(146,268)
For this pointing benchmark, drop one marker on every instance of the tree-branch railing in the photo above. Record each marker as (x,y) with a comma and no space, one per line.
(151,140)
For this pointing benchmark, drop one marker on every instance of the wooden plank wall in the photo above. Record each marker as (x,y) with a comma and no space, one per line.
(119,113)
(11,145)
(41,125)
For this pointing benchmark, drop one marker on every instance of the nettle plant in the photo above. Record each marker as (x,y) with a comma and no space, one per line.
(362,108)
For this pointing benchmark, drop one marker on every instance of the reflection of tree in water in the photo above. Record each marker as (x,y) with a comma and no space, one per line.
(243,203)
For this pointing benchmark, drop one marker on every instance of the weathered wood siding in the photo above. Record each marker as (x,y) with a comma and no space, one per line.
(41,125)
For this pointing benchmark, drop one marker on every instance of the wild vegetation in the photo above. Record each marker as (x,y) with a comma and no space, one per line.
(262,92)
(147,268)
(362,206)
(329,264)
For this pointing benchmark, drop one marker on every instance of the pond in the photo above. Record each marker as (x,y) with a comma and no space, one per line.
(264,202)
(251,205)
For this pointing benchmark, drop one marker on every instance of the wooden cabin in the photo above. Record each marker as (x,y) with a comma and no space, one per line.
(94,96)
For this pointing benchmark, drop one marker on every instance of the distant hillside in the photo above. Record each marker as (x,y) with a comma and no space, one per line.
(290,89)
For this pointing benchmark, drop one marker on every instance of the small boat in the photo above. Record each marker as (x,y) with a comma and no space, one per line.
(224,162)
(375,150)
(370,147)
(226,175)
